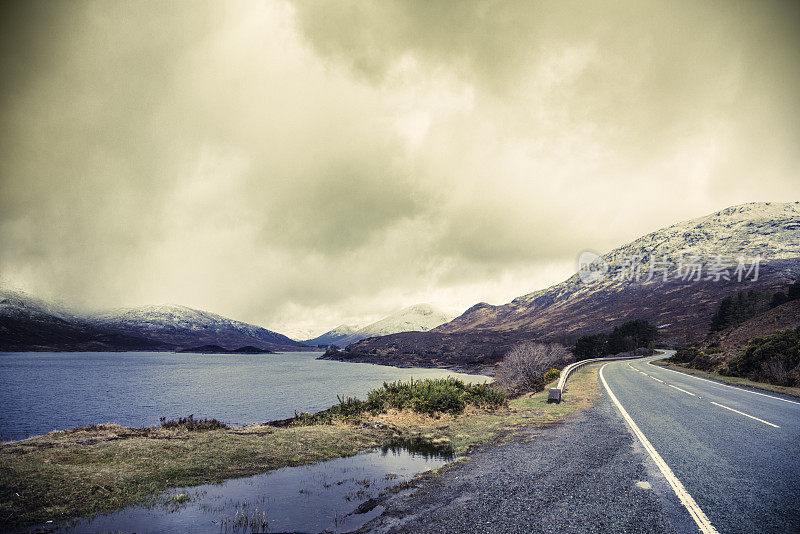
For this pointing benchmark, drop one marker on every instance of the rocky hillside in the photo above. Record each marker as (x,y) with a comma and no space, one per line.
(782,317)
(770,231)
(653,278)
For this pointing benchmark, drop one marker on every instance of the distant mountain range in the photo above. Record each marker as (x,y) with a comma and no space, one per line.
(186,327)
(682,307)
(331,337)
(417,318)
(30,324)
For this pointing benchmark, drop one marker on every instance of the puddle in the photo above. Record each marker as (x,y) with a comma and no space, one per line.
(332,496)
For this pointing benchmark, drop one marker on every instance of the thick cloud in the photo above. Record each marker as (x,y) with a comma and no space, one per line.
(304,164)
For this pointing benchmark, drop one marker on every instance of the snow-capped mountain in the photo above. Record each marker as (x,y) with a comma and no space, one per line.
(682,306)
(31,324)
(416,318)
(769,230)
(20,304)
(332,337)
(183,326)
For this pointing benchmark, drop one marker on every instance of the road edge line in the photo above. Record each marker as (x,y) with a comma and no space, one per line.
(683,495)
(717,382)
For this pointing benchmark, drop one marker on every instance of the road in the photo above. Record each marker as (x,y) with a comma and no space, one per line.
(704,457)
(721,458)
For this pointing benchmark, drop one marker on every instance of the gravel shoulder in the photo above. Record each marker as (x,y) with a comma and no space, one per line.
(596,480)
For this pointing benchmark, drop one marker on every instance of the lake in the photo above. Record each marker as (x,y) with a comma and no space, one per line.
(42,391)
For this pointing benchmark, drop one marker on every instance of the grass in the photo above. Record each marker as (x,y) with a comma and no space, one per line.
(193,425)
(429,396)
(102,468)
(732,380)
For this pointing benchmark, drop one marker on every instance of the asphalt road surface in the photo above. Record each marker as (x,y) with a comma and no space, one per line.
(735,452)
(687,455)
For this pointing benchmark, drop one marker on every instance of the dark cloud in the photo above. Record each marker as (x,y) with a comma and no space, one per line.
(286,163)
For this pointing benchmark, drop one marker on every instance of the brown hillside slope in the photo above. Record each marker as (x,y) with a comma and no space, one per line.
(782,317)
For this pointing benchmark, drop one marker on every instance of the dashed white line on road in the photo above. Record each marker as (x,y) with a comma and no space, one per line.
(680,389)
(723,385)
(686,499)
(654,378)
(744,414)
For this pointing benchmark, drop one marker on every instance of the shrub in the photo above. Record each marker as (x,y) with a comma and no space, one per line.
(429,396)
(552,374)
(632,335)
(774,359)
(591,346)
(193,425)
(433,395)
(696,358)
(525,365)
(737,309)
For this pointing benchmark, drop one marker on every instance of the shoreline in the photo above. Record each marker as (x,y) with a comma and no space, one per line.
(350,357)
(94,470)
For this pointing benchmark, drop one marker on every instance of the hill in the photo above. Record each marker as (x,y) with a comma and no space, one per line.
(331,337)
(416,318)
(187,327)
(31,324)
(28,324)
(682,307)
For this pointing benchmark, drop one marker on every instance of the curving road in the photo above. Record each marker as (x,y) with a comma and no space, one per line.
(688,455)
(721,458)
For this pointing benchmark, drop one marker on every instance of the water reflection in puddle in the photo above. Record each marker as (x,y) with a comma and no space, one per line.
(315,498)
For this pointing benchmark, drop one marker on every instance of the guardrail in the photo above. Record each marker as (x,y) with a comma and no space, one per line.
(554,395)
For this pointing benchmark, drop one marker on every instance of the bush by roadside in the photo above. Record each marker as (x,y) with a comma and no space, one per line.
(774,359)
(429,396)
(525,366)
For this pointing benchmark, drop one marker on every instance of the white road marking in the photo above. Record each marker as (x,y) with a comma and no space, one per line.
(686,499)
(744,414)
(724,385)
(654,378)
(680,389)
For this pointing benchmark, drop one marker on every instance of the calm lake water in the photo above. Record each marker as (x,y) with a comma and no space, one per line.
(40,392)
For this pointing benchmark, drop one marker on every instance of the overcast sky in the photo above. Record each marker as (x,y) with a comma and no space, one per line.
(301,165)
